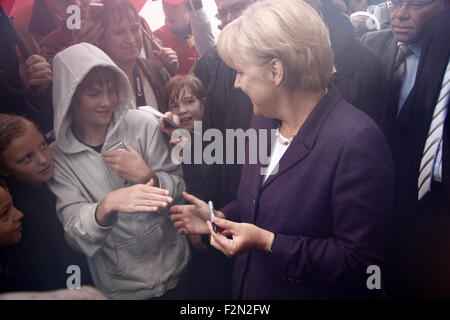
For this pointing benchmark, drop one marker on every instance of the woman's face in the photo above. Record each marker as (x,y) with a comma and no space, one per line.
(254,82)
(188,107)
(93,106)
(10,225)
(28,157)
(123,41)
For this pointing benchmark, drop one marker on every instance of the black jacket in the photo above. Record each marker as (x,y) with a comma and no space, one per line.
(39,261)
(359,76)
(420,264)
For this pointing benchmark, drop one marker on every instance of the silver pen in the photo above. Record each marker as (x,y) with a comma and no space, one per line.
(212,215)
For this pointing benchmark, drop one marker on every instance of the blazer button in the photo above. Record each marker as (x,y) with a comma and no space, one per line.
(254,201)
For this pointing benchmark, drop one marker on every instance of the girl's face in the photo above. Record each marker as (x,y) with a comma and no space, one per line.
(28,158)
(188,107)
(10,225)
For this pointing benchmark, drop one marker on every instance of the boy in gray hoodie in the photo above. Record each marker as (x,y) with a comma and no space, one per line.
(113,204)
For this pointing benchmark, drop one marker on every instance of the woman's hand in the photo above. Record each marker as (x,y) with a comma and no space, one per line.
(190,218)
(137,198)
(129,165)
(244,237)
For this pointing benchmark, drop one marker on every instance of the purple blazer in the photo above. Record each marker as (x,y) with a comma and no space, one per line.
(330,206)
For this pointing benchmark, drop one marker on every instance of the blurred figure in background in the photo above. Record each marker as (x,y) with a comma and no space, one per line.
(187,30)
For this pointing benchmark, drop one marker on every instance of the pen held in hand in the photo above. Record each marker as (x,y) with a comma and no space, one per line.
(212,215)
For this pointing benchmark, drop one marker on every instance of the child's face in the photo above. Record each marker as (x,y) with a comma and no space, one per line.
(10,225)
(95,105)
(28,158)
(188,107)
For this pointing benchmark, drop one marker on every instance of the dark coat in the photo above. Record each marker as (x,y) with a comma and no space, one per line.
(226,108)
(156,74)
(329,205)
(39,261)
(419,262)
(38,108)
(359,76)
(384,45)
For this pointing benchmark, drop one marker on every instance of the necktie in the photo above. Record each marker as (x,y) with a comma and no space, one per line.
(399,67)
(431,149)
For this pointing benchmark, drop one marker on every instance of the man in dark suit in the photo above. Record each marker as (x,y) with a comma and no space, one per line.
(399,47)
(419,263)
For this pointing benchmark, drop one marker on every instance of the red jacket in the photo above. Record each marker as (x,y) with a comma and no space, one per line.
(186,53)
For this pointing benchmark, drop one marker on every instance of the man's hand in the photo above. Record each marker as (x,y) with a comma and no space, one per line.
(190,219)
(129,165)
(137,198)
(168,58)
(35,71)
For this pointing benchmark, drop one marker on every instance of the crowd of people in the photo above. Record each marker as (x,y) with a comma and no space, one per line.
(358,173)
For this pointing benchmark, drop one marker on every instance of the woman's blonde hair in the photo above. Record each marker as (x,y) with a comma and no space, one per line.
(288,30)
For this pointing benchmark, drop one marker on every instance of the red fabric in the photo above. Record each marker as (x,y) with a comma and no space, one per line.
(7,5)
(138,4)
(17,6)
(186,55)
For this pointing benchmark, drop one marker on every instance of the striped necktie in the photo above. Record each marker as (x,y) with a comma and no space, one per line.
(400,65)
(432,151)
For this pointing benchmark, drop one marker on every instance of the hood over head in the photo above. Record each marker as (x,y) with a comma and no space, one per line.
(70,67)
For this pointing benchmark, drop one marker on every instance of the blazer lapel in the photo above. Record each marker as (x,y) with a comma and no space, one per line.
(305,139)
(390,55)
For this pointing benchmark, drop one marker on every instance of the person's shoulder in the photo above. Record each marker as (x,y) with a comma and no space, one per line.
(346,120)
(139,118)
(152,64)
(210,57)
(377,38)
(163,33)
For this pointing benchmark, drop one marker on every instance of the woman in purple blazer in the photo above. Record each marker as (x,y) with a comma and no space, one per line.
(310,228)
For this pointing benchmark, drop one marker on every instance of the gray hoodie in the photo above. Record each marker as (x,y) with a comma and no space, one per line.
(141,255)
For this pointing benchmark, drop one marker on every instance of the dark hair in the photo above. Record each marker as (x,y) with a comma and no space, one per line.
(117,10)
(175,85)
(12,127)
(97,77)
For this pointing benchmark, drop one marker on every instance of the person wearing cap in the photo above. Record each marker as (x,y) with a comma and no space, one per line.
(187,30)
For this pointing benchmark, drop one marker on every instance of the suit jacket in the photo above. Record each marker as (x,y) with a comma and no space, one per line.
(329,205)
(384,45)
(419,264)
